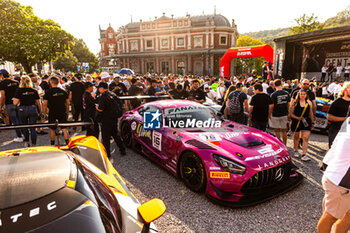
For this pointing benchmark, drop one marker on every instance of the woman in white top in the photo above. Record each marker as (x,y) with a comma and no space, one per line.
(220,92)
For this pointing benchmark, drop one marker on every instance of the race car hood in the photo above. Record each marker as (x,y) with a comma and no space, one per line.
(240,143)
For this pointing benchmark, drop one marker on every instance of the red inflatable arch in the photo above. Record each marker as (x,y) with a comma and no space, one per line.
(265,51)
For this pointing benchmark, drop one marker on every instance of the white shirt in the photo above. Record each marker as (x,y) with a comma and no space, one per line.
(220,92)
(324,69)
(339,69)
(347,69)
(338,158)
(265,86)
(211,95)
(337,89)
(331,87)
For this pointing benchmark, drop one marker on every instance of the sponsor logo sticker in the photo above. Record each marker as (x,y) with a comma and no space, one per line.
(133,126)
(157,140)
(220,175)
(151,120)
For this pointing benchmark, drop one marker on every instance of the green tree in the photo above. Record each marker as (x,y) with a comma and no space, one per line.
(28,39)
(66,62)
(247,65)
(306,24)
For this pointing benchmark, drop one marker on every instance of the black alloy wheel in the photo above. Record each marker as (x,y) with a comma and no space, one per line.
(126,134)
(192,172)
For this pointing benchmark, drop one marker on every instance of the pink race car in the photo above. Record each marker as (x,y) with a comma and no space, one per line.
(233,164)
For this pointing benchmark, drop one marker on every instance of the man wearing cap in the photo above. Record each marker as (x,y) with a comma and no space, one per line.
(118,87)
(8,89)
(89,105)
(110,110)
(44,83)
(77,90)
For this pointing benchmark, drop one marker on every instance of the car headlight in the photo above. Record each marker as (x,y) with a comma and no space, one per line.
(229,165)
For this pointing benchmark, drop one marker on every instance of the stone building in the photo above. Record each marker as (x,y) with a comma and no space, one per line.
(185,45)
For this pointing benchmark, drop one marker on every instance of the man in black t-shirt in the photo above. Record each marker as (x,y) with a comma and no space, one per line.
(118,87)
(56,99)
(178,93)
(337,112)
(77,90)
(196,94)
(89,106)
(237,104)
(135,90)
(279,108)
(259,108)
(8,89)
(151,90)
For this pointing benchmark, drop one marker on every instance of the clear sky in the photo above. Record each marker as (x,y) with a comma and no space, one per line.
(82,17)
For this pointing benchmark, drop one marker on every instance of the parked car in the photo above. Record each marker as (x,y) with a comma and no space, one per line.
(233,164)
(72,189)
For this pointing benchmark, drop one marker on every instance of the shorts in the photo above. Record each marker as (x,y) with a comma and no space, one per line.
(336,199)
(278,122)
(61,119)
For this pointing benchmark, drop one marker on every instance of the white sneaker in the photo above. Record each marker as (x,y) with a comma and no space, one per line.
(305,158)
(296,154)
(18,139)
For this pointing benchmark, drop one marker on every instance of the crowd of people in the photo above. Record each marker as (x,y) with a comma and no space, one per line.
(284,106)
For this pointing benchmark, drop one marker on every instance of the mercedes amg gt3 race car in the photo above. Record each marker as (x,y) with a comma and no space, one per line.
(72,189)
(233,164)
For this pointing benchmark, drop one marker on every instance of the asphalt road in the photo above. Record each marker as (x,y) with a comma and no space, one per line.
(296,211)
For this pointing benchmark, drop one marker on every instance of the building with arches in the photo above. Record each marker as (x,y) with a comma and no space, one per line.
(184,45)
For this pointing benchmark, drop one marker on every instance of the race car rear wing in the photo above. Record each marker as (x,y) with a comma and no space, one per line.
(144,97)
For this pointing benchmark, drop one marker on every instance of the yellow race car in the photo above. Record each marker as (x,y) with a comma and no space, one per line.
(71,189)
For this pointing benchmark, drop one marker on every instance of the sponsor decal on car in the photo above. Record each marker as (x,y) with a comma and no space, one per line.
(133,126)
(152,120)
(143,132)
(267,155)
(274,163)
(220,175)
(214,168)
(185,109)
(31,213)
(211,137)
(178,138)
(157,140)
(192,123)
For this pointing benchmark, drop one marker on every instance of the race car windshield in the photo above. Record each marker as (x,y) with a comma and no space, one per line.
(191,117)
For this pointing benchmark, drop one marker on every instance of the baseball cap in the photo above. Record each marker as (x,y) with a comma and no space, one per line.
(88,84)
(5,73)
(105,75)
(103,85)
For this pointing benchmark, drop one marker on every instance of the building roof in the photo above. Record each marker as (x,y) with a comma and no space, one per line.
(219,20)
(196,21)
(336,31)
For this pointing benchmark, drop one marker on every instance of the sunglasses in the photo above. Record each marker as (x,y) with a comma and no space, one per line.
(306,84)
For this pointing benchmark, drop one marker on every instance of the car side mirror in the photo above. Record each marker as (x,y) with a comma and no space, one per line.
(150,211)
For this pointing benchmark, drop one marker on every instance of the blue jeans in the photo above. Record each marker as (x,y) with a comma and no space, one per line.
(28,115)
(12,112)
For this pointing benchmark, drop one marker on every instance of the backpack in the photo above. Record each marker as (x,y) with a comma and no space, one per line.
(235,103)
(116,104)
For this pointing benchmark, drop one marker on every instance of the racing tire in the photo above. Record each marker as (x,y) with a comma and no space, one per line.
(192,172)
(126,134)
